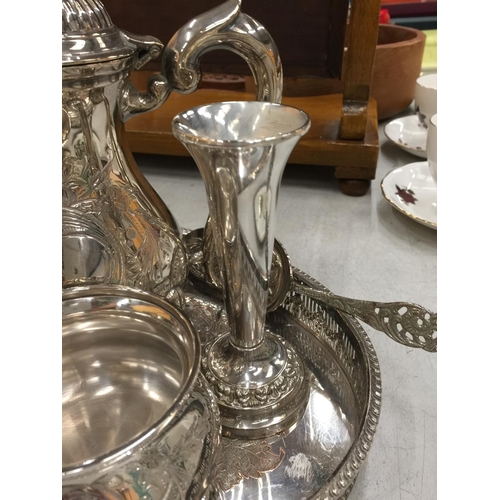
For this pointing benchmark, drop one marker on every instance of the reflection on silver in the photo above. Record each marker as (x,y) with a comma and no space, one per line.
(314,449)
(90,254)
(321,455)
(224,27)
(241,149)
(136,416)
(100,177)
(205,270)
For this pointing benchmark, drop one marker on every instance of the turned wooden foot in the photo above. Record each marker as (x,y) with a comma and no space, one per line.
(354,187)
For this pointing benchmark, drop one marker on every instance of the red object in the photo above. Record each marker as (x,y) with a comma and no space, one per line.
(410,8)
(384,16)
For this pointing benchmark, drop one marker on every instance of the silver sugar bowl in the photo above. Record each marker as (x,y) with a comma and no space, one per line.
(137,419)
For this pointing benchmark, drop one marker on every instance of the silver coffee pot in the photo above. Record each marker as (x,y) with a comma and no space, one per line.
(116,229)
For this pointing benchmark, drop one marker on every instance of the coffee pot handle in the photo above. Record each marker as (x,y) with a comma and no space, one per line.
(223,27)
(133,101)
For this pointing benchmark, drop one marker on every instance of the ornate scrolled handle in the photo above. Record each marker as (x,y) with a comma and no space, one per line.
(406,323)
(148,48)
(132,101)
(224,27)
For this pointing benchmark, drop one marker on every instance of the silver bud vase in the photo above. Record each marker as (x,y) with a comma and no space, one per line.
(241,149)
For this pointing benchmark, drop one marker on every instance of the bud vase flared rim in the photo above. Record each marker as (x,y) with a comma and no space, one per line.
(188,127)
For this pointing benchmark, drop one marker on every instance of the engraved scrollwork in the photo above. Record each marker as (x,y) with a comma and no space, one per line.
(95,182)
(91,255)
(208,319)
(245,459)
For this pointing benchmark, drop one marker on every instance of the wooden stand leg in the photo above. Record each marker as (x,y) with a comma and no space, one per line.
(357,74)
(354,187)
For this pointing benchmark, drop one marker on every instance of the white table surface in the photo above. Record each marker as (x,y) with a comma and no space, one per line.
(360,248)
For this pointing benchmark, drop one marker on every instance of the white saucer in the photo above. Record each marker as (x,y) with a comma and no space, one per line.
(412,190)
(408,134)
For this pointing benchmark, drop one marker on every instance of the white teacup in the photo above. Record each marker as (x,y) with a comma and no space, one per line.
(426,98)
(432,146)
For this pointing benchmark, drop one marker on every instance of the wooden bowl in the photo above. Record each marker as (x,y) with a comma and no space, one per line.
(398,61)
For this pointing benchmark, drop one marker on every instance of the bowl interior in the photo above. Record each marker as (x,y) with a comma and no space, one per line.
(126,365)
(389,34)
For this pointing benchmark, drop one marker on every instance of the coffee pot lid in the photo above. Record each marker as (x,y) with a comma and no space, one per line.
(89,35)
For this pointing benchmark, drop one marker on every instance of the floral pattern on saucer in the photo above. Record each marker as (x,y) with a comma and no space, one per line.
(412,191)
(407,195)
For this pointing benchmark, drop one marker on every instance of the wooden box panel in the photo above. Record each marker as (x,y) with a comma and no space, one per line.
(309,33)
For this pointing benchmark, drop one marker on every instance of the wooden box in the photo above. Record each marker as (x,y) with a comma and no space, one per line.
(312,38)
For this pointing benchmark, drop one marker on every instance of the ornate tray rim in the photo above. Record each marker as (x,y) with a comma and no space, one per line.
(343,478)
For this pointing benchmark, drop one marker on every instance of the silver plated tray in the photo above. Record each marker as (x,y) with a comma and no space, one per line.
(322,455)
